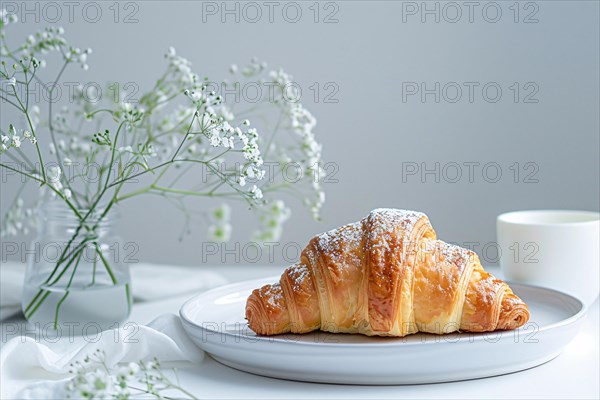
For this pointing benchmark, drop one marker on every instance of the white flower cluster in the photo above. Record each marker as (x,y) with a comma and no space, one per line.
(72,147)
(302,123)
(34,116)
(130,113)
(6,18)
(220,229)
(275,215)
(17,220)
(97,383)
(52,39)
(15,140)
(220,133)
(181,68)
(254,68)
(171,127)
(54,177)
(94,379)
(203,133)
(75,54)
(48,40)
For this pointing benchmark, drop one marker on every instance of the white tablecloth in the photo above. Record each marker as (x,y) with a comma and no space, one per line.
(573,374)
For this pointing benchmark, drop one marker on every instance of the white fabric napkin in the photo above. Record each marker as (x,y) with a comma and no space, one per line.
(46,366)
(149,282)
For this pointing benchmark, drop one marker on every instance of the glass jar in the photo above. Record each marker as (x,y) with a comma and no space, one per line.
(75,280)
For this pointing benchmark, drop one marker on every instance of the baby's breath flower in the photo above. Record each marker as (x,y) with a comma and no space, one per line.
(220,233)
(220,229)
(256,193)
(17,220)
(16,141)
(125,149)
(202,130)
(222,213)
(95,379)
(53,175)
(272,220)
(215,140)
(6,18)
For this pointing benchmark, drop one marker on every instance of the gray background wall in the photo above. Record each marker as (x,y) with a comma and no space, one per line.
(372,50)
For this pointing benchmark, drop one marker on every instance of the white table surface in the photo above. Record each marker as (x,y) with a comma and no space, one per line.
(573,374)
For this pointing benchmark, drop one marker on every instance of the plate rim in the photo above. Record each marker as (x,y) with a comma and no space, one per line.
(274,339)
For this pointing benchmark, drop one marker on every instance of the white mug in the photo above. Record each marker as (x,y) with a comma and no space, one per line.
(552,248)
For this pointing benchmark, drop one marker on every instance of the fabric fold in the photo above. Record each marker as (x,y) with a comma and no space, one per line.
(32,369)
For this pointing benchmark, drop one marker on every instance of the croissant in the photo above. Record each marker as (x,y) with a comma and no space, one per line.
(386,275)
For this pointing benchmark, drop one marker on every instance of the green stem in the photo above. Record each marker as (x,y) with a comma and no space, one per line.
(51,127)
(64,270)
(93,273)
(135,193)
(128,294)
(67,292)
(62,299)
(268,147)
(91,209)
(10,102)
(30,176)
(32,302)
(166,163)
(62,258)
(191,193)
(37,146)
(108,269)
(38,304)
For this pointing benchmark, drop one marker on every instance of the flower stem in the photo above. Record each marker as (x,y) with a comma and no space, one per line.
(108,269)
(67,291)
(39,303)
(93,273)
(32,302)
(128,294)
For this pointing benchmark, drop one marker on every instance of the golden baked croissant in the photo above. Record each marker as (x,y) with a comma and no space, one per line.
(386,275)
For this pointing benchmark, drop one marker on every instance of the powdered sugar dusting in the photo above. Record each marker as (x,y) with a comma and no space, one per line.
(273,294)
(387,220)
(338,242)
(455,254)
(391,217)
(298,274)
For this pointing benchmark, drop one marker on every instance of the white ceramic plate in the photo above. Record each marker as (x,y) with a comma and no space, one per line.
(215,321)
